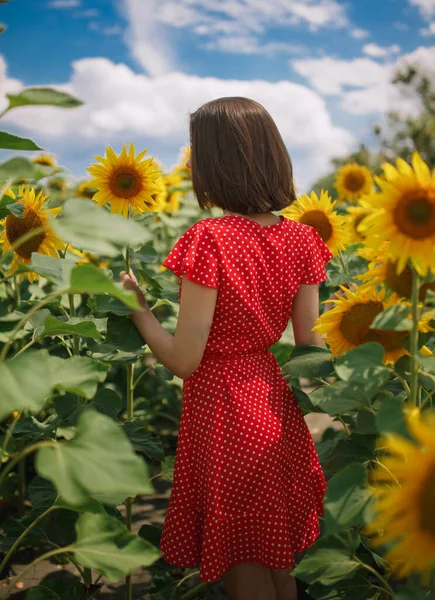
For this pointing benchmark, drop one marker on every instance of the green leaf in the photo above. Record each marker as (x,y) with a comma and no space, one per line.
(164,587)
(98,463)
(309,362)
(57,270)
(146,254)
(40,592)
(351,449)
(390,417)
(78,375)
(16,209)
(357,587)
(428,363)
(326,565)
(326,447)
(17,168)
(340,397)
(14,142)
(69,407)
(90,227)
(107,304)
(105,544)
(123,335)
(63,587)
(151,534)
(363,364)
(143,441)
(394,318)
(89,279)
(346,498)
(42,493)
(167,468)
(58,326)
(42,96)
(366,421)
(25,383)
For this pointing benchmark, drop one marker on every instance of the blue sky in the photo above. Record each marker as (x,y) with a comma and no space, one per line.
(321,67)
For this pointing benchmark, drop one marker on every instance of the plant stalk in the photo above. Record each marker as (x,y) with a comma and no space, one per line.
(387,588)
(196,591)
(23,454)
(24,534)
(414,338)
(8,435)
(32,564)
(76,338)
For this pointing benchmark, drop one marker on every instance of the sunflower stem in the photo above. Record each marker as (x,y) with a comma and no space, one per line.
(9,432)
(414,337)
(387,587)
(76,338)
(130,405)
(345,427)
(17,292)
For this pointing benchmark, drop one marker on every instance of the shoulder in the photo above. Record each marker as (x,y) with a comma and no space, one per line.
(300,231)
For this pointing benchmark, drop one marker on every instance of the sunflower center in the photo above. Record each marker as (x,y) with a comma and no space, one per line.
(354,181)
(426,501)
(15,228)
(415,216)
(320,222)
(390,340)
(401,284)
(355,323)
(125,182)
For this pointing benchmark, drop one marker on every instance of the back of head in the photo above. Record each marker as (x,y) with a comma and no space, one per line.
(239,159)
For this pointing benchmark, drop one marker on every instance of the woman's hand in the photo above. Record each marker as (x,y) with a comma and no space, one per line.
(130,282)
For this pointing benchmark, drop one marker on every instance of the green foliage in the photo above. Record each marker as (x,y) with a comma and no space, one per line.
(8,141)
(42,96)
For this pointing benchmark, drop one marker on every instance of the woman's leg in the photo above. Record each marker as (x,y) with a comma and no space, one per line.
(249,581)
(284,583)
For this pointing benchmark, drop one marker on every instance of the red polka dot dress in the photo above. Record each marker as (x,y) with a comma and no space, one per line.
(248,486)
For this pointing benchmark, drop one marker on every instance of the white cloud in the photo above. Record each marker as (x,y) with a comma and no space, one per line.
(251,45)
(149,24)
(379,51)
(426,7)
(359,33)
(7,85)
(363,85)
(121,105)
(429,30)
(64,3)
(89,13)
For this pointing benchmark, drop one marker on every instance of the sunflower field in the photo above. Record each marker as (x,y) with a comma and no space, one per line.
(89,418)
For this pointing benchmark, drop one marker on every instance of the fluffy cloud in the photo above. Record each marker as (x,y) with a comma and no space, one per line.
(359,34)
(123,105)
(65,3)
(230,25)
(426,7)
(371,82)
(251,45)
(380,51)
(429,30)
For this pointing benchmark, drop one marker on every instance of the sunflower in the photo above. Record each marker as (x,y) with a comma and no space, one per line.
(403,488)
(126,181)
(57,183)
(347,325)
(353,181)
(45,159)
(34,216)
(382,270)
(85,190)
(173,197)
(319,213)
(407,214)
(86,258)
(355,216)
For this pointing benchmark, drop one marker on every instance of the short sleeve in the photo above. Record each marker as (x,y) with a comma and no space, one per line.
(196,255)
(318,254)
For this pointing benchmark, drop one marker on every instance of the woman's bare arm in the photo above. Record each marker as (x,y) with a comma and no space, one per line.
(305,312)
(182,352)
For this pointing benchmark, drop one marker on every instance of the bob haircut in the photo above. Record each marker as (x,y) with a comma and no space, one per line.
(239,160)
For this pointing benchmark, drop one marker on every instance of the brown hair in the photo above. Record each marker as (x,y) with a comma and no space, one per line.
(239,159)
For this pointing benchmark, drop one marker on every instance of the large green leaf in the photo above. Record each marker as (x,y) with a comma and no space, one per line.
(363,365)
(346,498)
(40,592)
(69,407)
(143,441)
(89,279)
(309,361)
(98,462)
(107,304)
(59,326)
(357,587)
(42,96)
(57,270)
(329,560)
(25,383)
(90,227)
(390,417)
(145,254)
(395,318)
(123,335)
(164,587)
(105,544)
(340,397)
(17,168)
(78,375)
(167,467)
(14,142)
(356,448)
